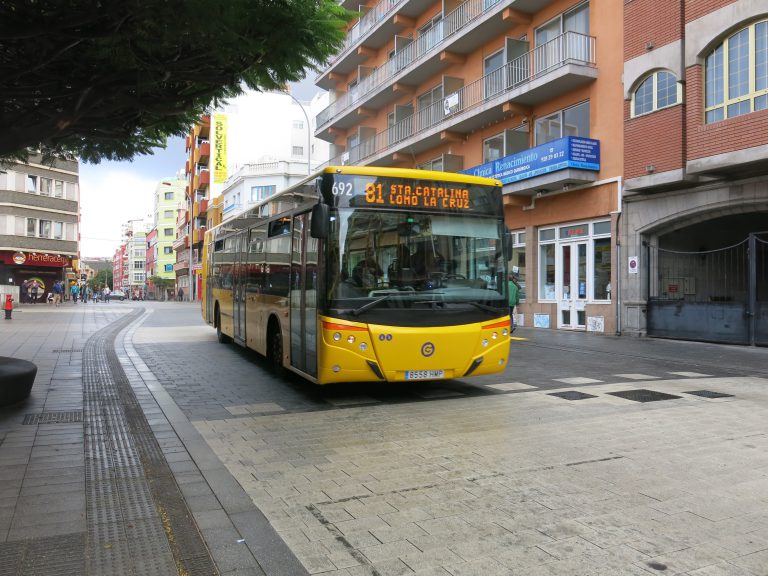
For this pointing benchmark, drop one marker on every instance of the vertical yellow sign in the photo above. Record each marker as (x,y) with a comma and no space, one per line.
(219,148)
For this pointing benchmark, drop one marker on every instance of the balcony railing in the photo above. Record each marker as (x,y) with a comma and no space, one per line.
(567,48)
(367,22)
(451,24)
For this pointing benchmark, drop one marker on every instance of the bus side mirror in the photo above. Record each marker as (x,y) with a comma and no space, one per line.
(321,218)
(508,246)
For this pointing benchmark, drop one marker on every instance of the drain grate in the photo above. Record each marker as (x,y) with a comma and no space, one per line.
(710,394)
(643,395)
(67,349)
(54,417)
(571,395)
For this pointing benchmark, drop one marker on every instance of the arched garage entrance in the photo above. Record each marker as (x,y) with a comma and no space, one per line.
(709,281)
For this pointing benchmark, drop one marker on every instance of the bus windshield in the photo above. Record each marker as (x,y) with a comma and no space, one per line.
(382,261)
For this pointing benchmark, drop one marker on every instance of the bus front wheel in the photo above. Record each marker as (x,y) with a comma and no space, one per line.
(220,336)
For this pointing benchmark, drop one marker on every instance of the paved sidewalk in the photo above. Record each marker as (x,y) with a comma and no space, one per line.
(97,476)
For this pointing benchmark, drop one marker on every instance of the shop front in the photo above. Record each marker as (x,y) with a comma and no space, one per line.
(34,273)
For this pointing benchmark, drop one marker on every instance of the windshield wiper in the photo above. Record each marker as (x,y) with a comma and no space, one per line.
(371,304)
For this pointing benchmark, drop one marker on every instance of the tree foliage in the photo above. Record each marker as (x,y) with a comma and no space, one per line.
(101,278)
(112,79)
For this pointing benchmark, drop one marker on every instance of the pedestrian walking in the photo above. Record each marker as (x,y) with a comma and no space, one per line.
(181,295)
(34,286)
(58,288)
(8,306)
(75,291)
(107,292)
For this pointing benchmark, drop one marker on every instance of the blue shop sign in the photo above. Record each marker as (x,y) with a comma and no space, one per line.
(568,152)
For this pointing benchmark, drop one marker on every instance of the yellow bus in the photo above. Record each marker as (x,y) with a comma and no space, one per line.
(366,274)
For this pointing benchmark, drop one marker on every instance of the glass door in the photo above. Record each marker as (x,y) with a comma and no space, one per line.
(572,285)
(239,279)
(303,296)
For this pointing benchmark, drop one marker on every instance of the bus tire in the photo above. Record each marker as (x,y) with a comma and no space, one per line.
(275,350)
(220,336)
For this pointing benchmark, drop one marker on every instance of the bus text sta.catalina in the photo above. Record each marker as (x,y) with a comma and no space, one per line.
(366,274)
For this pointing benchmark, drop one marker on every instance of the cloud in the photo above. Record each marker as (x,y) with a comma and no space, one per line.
(109,197)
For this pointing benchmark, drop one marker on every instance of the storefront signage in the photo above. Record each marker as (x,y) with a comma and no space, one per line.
(219,148)
(568,152)
(34,259)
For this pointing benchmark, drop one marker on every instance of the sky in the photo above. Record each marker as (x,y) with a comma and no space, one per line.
(112,193)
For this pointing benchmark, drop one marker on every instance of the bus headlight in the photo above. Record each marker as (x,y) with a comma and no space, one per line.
(484,342)
(350,339)
(504,332)
(363,346)
(336,336)
(494,336)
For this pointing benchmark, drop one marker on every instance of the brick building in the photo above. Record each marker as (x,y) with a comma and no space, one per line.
(696,170)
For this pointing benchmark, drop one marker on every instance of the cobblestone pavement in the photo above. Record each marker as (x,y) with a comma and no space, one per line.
(555,467)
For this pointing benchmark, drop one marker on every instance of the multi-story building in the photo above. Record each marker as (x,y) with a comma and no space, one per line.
(525,91)
(120,268)
(161,257)
(39,225)
(129,272)
(256,128)
(696,170)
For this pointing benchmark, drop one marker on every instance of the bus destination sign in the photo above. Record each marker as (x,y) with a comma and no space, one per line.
(400,193)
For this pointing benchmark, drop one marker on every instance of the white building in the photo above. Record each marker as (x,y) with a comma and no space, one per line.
(268,146)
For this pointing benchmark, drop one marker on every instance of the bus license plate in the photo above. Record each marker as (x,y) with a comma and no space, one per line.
(424,374)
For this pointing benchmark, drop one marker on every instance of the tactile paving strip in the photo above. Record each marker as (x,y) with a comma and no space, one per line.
(128,481)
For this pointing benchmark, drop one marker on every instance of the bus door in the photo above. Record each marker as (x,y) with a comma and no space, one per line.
(239,279)
(572,285)
(303,296)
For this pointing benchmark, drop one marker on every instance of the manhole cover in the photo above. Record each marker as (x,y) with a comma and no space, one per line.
(643,395)
(572,395)
(709,394)
(54,417)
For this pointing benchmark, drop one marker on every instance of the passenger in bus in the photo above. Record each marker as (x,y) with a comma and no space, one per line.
(367,272)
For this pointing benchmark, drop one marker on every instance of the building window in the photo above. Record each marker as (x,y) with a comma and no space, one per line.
(551,48)
(58,189)
(297,150)
(298,125)
(138,264)
(31,184)
(138,277)
(58,230)
(436,164)
(736,74)
(167,231)
(168,214)
(659,90)
(45,229)
(430,107)
(493,148)
(46,186)
(168,195)
(31,226)
(259,193)
(167,249)
(573,121)
(168,267)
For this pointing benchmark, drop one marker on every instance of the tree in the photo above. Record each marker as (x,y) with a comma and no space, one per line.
(113,79)
(100,279)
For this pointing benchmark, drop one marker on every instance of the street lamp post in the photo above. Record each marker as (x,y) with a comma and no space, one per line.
(309,134)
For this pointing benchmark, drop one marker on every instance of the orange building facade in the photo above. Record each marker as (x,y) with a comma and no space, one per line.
(525,91)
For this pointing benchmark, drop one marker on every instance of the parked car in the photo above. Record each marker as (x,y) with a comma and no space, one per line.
(117,295)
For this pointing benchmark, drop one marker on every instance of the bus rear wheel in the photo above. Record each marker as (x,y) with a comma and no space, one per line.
(220,336)
(276,350)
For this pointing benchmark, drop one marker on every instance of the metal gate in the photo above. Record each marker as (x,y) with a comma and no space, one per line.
(713,295)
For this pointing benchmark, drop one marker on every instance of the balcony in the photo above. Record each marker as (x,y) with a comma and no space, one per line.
(181,266)
(181,242)
(204,180)
(559,66)
(460,32)
(205,153)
